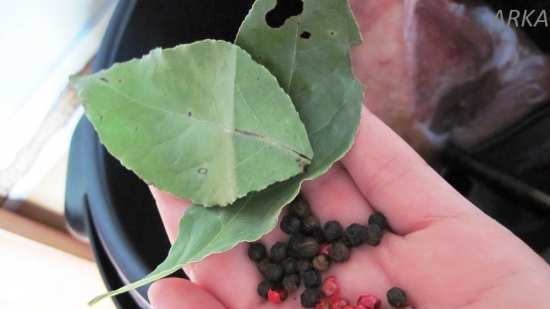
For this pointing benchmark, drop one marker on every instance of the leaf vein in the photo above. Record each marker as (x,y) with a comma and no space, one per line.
(237,132)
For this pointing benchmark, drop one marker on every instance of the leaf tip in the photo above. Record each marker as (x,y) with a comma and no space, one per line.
(73,79)
(97,299)
(76,80)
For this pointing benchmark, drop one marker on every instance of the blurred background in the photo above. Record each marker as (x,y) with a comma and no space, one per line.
(465,82)
(43,42)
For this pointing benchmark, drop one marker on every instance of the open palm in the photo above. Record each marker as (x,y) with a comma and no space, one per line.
(443,251)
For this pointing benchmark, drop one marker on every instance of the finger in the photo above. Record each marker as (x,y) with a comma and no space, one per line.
(171,210)
(397,181)
(213,272)
(334,196)
(230,276)
(175,293)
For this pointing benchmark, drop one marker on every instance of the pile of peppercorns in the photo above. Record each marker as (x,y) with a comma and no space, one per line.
(310,251)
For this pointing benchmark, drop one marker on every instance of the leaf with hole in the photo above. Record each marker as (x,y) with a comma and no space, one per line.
(202,121)
(310,56)
(316,72)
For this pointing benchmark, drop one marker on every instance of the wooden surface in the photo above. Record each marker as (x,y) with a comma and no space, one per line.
(38,232)
(36,276)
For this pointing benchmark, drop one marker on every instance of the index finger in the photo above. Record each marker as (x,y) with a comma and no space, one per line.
(206,273)
(171,210)
(397,181)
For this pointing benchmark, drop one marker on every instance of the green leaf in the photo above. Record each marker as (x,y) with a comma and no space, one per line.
(202,233)
(317,74)
(202,121)
(315,71)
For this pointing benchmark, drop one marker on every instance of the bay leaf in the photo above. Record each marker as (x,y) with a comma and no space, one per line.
(310,56)
(202,121)
(317,74)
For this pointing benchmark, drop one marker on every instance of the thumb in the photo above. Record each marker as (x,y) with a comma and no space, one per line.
(171,210)
(174,293)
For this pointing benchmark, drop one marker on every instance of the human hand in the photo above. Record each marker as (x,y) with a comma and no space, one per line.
(443,251)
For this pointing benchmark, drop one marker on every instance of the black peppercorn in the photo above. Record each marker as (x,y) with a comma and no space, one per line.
(289,265)
(303,265)
(355,234)
(321,263)
(278,251)
(339,252)
(256,251)
(333,231)
(263,288)
(318,234)
(379,219)
(310,297)
(304,247)
(291,224)
(262,265)
(397,297)
(374,235)
(310,224)
(299,208)
(312,278)
(292,243)
(291,283)
(273,272)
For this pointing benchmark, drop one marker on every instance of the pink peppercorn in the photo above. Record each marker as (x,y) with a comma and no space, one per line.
(276,297)
(330,286)
(323,304)
(339,304)
(369,301)
(325,249)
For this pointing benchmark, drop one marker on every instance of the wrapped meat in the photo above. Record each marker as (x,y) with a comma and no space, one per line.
(439,71)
